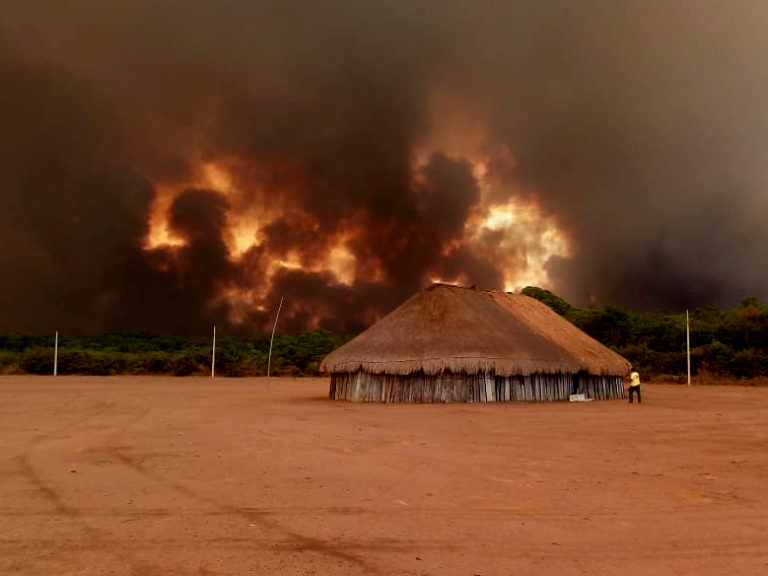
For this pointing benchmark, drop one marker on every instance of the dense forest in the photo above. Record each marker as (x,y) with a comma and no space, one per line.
(730,343)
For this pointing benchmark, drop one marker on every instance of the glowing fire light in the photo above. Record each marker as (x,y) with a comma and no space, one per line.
(159,233)
(527,241)
(513,232)
(341,263)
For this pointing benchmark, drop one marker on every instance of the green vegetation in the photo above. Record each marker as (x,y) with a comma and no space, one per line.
(724,343)
(152,354)
(731,343)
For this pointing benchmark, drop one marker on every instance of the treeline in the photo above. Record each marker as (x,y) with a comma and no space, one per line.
(731,343)
(152,354)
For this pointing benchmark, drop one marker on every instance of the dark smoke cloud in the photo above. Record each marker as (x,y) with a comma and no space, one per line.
(173,290)
(642,128)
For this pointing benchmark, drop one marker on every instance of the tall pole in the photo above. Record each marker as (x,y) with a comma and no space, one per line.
(213,353)
(688,345)
(269,357)
(56,355)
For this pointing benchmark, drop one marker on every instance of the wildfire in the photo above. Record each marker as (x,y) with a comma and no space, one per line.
(159,233)
(505,227)
(527,241)
(243,230)
(209,176)
(506,224)
(342,263)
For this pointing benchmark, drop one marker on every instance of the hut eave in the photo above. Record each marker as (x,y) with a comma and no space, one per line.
(468,366)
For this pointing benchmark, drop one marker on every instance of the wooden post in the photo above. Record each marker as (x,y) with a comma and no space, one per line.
(269,357)
(56,355)
(688,345)
(213,353)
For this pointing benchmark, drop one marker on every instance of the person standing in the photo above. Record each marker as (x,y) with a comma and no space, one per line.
(634,387)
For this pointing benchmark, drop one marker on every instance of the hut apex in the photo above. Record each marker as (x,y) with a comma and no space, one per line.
(455,344)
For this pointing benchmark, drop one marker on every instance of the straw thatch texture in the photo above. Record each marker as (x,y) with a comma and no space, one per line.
(451,329)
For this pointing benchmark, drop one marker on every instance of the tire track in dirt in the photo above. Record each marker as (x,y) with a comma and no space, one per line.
(77,516)
(243,543)
(296,541)
(299,541)
(30,473)
(54,497)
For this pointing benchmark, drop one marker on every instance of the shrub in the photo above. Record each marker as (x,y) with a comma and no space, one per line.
(37,361)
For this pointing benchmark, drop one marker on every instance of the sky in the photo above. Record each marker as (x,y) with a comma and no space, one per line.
(167,165)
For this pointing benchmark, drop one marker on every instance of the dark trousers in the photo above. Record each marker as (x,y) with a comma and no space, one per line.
(632,391)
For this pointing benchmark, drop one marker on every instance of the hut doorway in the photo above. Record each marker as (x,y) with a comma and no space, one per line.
(579,382)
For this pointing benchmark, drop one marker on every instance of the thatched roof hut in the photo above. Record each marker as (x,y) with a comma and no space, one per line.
(454,344)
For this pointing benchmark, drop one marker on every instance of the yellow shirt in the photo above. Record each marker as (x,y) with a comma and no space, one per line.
(635,379)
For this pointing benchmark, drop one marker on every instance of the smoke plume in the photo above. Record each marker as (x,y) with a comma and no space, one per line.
(166,166)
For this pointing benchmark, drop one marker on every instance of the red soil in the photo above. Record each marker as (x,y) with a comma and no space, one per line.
(175,476)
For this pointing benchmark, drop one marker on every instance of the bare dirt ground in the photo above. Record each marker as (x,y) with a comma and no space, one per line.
(152,476)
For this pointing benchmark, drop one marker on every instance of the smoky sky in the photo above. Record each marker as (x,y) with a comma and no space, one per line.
(641,128)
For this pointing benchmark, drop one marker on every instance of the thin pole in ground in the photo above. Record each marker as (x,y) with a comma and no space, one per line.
(688,345)
(269,356)
(213,353)
(56,355)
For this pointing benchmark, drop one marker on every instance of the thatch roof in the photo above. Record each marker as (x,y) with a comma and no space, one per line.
(468,330)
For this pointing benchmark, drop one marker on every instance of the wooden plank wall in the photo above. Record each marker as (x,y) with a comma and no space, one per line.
(448,387)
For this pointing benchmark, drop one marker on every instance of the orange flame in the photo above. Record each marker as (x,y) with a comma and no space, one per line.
(518,236)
